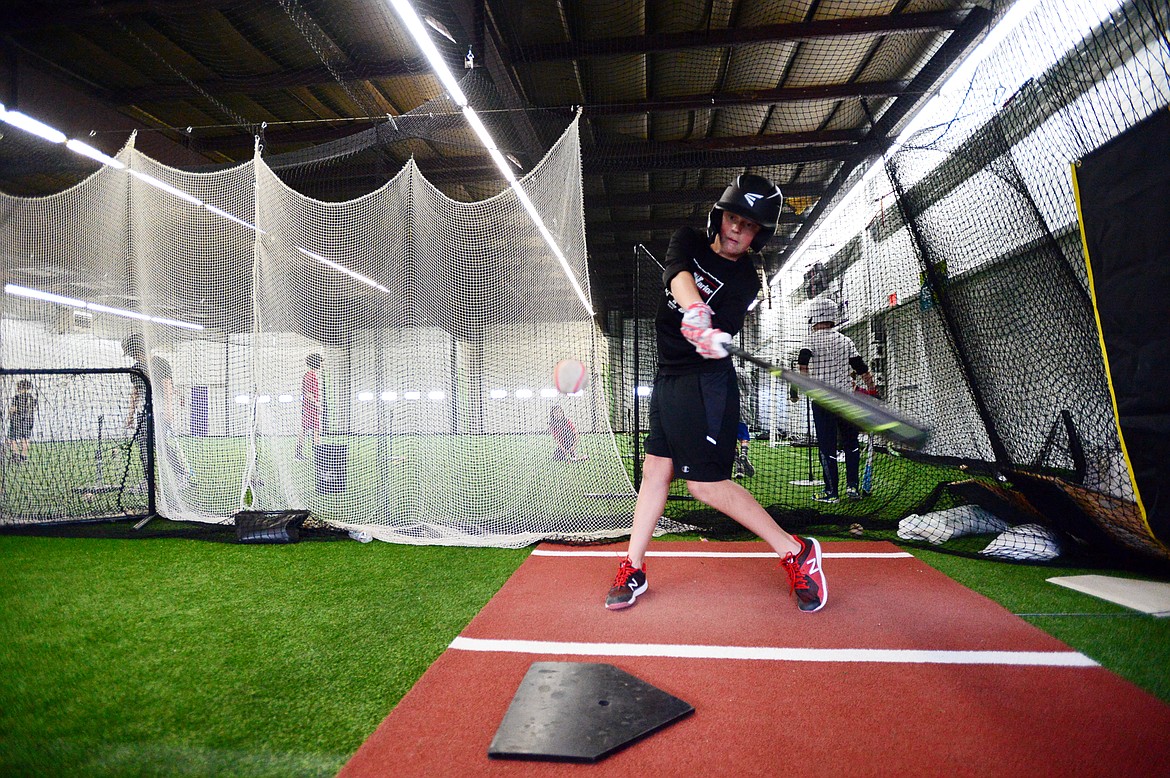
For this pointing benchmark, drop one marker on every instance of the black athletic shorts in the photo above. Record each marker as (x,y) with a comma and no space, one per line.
(20,427)
(693,421)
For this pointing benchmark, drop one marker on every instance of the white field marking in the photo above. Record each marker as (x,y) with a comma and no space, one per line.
(732,554)
(879,655)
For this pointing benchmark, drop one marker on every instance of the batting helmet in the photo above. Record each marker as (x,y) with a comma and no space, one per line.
(823,309)
(752,197)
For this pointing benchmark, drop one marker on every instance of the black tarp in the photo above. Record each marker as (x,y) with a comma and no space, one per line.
(1124,200)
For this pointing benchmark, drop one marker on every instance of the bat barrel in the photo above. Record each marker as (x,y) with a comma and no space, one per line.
(867,413)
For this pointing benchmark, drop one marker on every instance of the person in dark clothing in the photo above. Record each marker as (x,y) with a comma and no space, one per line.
(709,282)
(161,378)
(22,414)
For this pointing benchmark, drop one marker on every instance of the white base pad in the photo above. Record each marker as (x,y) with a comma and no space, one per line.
(1149,597)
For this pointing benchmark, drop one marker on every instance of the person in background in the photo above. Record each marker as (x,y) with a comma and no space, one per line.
(312,404)
(161,377)
(831,357)
(743,466)
(22,414)
(564,433)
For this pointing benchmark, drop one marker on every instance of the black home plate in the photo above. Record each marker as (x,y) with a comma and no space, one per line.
(581,712)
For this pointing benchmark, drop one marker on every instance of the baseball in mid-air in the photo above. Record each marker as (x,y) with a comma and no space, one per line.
(570,376)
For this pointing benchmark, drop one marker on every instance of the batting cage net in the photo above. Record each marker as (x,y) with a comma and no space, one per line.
(385,362)
(374,342)
(955,266)
(74,450)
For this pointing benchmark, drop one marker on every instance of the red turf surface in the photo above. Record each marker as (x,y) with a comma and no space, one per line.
(766,717)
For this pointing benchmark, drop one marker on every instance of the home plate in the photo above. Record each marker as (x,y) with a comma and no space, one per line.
(1146,596)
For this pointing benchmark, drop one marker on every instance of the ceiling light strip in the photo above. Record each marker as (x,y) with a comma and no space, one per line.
(927,112)
(72,302)
(42,130)
(415,27)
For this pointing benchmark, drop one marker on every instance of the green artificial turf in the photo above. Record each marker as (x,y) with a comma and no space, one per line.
(1132,644)
(516,487)
(182,657)
(178,657)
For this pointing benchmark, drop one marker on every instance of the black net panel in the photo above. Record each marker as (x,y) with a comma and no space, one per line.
(959,273)
(73,451)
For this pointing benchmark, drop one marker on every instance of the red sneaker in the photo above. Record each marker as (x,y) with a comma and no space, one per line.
(806,579)
(627,585)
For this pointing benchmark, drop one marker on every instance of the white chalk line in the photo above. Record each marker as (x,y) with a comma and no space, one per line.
(775,653)
(728,554)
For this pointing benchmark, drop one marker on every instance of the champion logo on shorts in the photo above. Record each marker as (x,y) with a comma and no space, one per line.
(686,468)
(711,440)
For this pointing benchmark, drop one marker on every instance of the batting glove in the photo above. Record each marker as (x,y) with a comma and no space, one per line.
(711,342)
(696,320)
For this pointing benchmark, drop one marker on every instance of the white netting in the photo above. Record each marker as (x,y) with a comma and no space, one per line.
(438,324)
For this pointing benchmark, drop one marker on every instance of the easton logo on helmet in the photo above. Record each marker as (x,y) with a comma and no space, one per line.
(752,197)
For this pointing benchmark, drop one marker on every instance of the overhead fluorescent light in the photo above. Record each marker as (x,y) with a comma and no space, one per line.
(86,150)
(187,325)
(439,27)
(164,186)
(31,125)
(37,294)
(928,112)
(117,311)
(343,269)
(415,26)
(232,217)
(73,302)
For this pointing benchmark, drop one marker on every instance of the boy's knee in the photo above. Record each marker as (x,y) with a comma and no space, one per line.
(701,490)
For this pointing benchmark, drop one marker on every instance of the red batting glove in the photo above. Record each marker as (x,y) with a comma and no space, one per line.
(696,319)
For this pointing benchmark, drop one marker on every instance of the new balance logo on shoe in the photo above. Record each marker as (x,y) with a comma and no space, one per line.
(806,578)
(627,585)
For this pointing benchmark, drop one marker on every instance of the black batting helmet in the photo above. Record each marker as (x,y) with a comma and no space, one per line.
(752,197)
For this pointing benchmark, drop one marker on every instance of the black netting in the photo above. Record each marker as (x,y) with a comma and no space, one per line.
(961,280)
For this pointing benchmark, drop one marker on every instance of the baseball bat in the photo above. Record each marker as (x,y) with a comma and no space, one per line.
(862,411)
(867,478)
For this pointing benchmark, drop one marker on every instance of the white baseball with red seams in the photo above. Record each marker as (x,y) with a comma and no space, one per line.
(570,376)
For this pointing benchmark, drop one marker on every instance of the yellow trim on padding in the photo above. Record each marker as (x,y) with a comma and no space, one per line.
(1105,356)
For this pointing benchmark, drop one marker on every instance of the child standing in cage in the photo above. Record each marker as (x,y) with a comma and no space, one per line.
(162,377)
(312,404)
(709,282)
(22,413)
(829,356)
(564,433)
